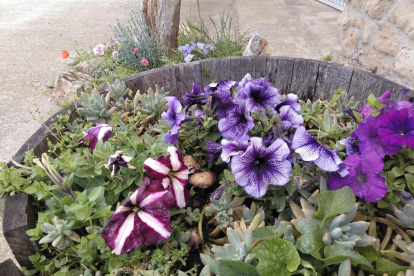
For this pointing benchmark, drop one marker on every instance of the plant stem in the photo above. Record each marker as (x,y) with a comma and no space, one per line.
(393,226)
(200,224)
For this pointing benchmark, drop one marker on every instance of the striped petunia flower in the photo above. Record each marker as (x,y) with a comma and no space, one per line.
(143,219)
(96,133)
(173,174)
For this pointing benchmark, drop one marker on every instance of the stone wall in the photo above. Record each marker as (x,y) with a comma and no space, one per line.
(378,35)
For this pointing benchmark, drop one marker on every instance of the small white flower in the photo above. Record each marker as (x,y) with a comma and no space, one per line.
(188,58)
(99,49)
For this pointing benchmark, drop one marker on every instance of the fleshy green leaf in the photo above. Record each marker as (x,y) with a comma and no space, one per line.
(207,260)
(333,203)
(311,238)
(276,257)
(264,232)
(235,268)
(368,252)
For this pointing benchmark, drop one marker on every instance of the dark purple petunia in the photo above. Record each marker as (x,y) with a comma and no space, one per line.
(222,103)
(289,117)
(397,128)
(369,140)
(96,133)
(364,177)
(236,125)
(232,148)
(258,94)
(221,85)
(260,166)
(195,97)
(173,173)
(244,81)
(366,110)
(143,219)
(310,150)
(213,150)
(350,146)
(173,115)
(117,160)
(404,195)
(292,101)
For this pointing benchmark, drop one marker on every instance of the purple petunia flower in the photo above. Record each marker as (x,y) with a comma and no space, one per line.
(195,97)
(221,85)
(366,110)
(350,146)
(221,103)
(143,219)
(232,148)
(96,133)
(292,101)
(310,150)
(245,80)
(369,140)
(236,125)
(289,117)
(173,174)
(258,167)
(172,136)
(258,94)
(117,160)
(364,177)
(397,128)
(173,115)
(213,150)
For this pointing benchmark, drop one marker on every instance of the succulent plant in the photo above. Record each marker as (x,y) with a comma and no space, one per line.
(403,217)
(223,219)
(338,230)
(408,251)
(408,272)
(192,216)
(241,242)
(152,102)
(118,90)
(225,203)
(124,106)
(96,107)
(283,227)
(89,273)
(59,233)
(249,213)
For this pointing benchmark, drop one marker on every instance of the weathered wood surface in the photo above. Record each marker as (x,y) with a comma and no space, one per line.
(8,268)
(19,216)
(308,78)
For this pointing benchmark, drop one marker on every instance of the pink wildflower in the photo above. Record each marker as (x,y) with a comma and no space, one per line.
(99,49)
(144,62)
(135,50)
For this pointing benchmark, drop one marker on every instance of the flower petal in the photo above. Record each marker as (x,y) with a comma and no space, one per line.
(156,169)
(305,144)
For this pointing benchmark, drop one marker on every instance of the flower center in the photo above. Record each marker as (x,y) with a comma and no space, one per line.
(135,210)
(259,162)
(362,178)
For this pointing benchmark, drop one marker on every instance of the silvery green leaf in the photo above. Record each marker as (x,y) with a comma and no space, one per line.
(345,268)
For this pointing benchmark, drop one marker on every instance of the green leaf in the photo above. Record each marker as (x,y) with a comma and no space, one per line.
(95,193)
(410,169)
(336,254)
(276,257)
(31,190)
(369,253)
(311,238)
(228,175)
(333,203)
(235,268)
(264,232)
(386,266)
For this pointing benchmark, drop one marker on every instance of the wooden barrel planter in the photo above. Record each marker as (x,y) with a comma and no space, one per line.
(310,79)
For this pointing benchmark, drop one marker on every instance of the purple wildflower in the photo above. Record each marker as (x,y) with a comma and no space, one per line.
(310,150)
(292,101)
(397,128)
(213,150)
(369,140)
(96,133)
(258,94)
(289,117)
(258,167)
(143,219)
(117,160)
(195,97)
(173,174)
(232,148)
(236,125)
(364,177)
(186,49)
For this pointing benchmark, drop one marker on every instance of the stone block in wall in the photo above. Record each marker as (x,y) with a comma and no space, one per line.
(403,16)
(350,43)
(385,41)
(404,63)
(376,8)
(366,34)
(373,62)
